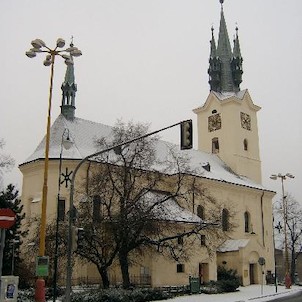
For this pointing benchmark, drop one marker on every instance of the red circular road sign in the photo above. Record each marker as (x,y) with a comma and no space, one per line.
(7,218)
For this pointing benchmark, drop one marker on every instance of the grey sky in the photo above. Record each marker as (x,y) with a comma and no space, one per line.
(147,60)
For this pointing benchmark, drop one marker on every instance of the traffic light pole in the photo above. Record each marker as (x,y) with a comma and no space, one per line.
(70,225)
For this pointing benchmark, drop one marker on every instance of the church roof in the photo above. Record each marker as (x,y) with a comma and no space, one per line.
(225,95)
(232,245)
(84,134)
(169,209)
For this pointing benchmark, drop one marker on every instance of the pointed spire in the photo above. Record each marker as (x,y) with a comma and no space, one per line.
(228,66)
(236,63)
(224,52)
(213,45)
(236,50)
(214,70)
(69,89)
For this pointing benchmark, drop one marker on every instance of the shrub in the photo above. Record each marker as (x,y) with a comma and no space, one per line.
(120,295)
(228,280)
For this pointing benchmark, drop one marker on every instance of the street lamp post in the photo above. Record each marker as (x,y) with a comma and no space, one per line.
(39,46)
(284,204)
(66,143)
(13,242)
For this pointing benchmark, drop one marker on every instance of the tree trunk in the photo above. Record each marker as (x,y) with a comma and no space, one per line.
(293,266)
(123,259)
(104,275)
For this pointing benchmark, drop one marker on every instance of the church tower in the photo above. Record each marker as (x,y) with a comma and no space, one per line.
(227,122)
(69,89)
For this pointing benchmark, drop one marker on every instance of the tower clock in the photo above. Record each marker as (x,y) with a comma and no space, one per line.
(214,122)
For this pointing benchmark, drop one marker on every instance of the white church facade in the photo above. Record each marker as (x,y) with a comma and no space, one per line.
(227,164)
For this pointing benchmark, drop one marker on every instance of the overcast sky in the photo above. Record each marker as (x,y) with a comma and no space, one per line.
(147,60)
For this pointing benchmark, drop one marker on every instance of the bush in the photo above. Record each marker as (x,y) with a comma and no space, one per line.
(120,295)
(228,280)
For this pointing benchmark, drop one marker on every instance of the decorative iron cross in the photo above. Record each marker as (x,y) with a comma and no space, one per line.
(66,177)
(278,227)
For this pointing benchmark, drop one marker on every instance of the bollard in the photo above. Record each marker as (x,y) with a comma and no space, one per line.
(40,290)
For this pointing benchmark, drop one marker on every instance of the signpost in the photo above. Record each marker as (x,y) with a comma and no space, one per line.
(9,285)
(7,220)
(261,261)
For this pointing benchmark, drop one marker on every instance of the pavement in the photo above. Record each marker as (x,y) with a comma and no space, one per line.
(252,293)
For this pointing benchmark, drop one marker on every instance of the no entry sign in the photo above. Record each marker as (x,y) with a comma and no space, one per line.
(7,218)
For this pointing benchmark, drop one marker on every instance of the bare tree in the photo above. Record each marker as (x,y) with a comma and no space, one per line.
(140,202)
(97,245)
(293,212)
(6,161)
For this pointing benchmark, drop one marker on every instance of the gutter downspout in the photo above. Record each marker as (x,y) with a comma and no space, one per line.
(262,219)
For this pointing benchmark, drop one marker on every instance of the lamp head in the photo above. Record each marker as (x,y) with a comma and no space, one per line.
(67,143)
(38,43)
(31,54)
(46,62)
(273,176)
(60,43)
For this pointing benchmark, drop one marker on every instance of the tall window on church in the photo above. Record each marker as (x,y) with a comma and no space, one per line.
(225,219)
(247,222)
(61,209)
(245,144)
(200,211)
(96,211)
(215,145)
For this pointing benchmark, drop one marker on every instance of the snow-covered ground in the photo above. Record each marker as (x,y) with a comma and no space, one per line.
(253,293)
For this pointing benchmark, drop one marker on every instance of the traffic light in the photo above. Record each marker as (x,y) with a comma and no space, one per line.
(78,235)
(186,135)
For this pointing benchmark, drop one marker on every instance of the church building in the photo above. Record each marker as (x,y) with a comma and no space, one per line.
(227,164)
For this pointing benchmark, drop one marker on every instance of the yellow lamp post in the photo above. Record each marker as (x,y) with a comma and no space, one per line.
(284,205)
(67,54)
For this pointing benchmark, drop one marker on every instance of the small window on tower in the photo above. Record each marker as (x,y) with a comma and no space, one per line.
(214,111)
(215,145)
(245,144)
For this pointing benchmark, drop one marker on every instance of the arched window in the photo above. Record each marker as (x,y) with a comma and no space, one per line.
(200,211)
(247,222)
(225,220)
(245,144)
(215,145)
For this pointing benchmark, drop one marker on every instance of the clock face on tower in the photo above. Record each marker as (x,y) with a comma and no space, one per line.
(214,122)
(245,121)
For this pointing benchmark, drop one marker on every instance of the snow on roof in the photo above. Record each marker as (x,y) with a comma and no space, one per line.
(168,209)
(232,245)
(226,95)
(84,134)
